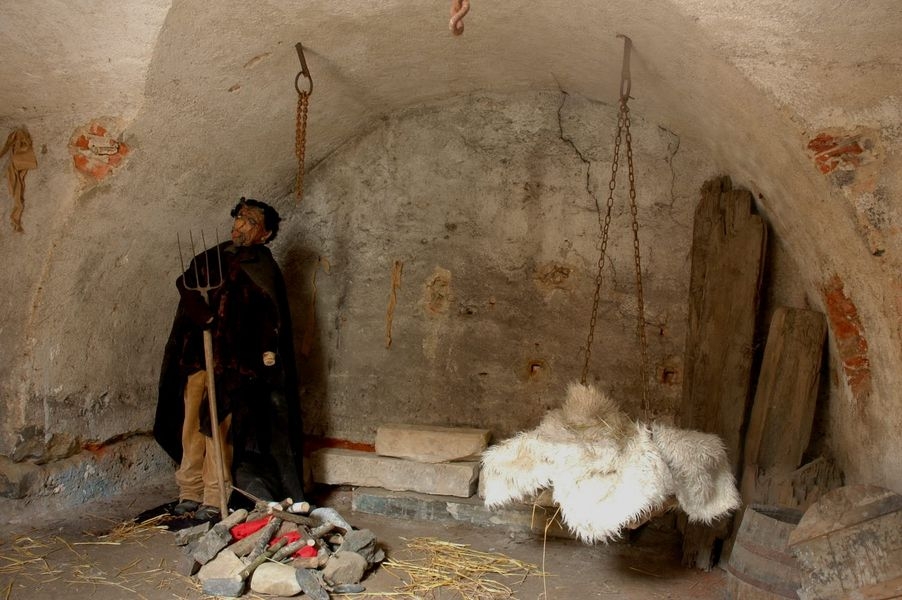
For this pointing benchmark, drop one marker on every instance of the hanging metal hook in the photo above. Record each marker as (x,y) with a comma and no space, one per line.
(305,72)
(625,71)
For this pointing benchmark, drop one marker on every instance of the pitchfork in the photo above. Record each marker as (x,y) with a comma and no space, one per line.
(205,282)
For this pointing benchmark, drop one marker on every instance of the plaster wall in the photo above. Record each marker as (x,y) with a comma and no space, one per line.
(204,99)
(491,198)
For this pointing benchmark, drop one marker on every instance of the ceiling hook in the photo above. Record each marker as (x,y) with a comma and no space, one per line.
(305,72)
(625,71)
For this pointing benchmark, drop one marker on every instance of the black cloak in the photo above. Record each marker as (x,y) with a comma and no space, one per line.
(266,424)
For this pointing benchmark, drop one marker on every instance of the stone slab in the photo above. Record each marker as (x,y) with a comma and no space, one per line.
(339,466)
(449,509)
(431,444)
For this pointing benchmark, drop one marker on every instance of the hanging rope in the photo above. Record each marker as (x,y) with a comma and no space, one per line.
(604,223)
(300,139)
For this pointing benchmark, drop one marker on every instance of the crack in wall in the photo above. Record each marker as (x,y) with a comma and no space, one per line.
(569,141)
(572,144)
(672,149)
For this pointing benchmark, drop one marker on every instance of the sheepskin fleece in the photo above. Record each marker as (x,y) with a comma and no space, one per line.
(606,470)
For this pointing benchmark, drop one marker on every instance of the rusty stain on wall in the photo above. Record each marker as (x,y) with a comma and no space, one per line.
(437,293)
(552,276)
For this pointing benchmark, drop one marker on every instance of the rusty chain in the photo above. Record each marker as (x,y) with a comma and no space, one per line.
(300,142)
(604,225)
(623,133)
(637,256)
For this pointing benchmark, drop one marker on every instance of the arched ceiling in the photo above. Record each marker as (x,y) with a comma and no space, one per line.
(823,62)
(752,81)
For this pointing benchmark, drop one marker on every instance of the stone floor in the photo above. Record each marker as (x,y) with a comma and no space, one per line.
(92,555)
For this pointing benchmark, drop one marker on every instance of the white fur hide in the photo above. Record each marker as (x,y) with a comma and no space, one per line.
(608,471)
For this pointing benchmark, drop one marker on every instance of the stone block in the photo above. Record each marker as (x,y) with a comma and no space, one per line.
(337,466)
(447,509)
(431,444)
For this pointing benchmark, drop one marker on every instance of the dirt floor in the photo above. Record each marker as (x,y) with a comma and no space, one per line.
(99,554)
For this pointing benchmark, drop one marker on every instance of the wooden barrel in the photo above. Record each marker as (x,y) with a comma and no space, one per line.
(849,545)
(761,566)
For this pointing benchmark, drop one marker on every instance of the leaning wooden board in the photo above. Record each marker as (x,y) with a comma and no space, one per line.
(727,256)
(782,414)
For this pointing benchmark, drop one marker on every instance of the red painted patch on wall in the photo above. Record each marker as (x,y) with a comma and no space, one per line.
(832,152)
(313,443)
(850,341)
(95,151)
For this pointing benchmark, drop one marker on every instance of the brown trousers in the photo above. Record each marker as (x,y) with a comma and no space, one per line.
(197,476)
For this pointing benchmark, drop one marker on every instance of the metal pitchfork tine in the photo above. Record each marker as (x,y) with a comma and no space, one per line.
(206,285)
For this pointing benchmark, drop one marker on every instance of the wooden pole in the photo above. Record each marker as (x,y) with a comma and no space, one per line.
(214,426)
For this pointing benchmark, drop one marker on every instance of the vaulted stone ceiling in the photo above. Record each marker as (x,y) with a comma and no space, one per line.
(799,102)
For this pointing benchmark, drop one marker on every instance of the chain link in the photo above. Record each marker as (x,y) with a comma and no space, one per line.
(604,224)
(300,143)
(637,256)
(623,132)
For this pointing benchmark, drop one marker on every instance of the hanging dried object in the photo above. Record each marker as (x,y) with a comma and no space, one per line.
(21,159)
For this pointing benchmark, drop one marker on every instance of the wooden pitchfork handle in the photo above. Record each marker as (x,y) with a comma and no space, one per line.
(218,456)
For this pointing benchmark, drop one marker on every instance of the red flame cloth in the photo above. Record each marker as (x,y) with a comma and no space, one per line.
(293,536)
(242,530)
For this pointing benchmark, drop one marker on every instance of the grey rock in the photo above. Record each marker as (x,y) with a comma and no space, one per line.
(363,542)
(183,537)
(186,565)
(330,515)
(275,579)
(226,564)
(345,567)
(311,585)
(218,537)
(348,588)
(219,577)
(231,587)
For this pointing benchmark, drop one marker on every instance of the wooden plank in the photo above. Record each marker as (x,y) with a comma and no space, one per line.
(801,488)
(707,217)
(725,280)
(783,410)
(849,545)
(721,336)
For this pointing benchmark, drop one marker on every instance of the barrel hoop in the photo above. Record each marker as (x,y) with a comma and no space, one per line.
(783,591)
(769,553)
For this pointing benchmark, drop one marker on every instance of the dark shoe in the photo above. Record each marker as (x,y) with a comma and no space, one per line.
(207,513)
(185,506)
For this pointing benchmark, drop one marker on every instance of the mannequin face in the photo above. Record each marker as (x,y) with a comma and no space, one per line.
(249,228)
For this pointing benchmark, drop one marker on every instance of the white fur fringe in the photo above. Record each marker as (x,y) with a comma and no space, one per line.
(608,471)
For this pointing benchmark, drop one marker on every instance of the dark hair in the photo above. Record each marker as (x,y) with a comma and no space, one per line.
(271,216)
